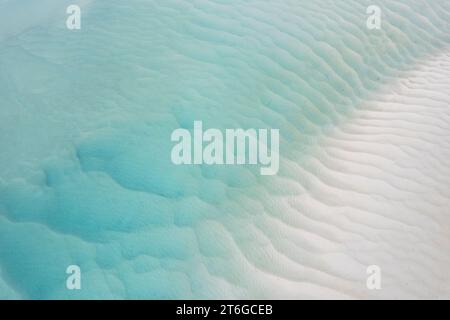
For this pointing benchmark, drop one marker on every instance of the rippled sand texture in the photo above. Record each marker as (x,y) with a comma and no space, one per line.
(85,170)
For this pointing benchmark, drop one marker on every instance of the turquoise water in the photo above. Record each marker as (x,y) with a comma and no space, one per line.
(86,118)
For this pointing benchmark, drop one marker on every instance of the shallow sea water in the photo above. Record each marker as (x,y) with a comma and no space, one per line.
(85,124)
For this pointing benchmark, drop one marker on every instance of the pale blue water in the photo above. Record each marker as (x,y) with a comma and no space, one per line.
(86,117)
